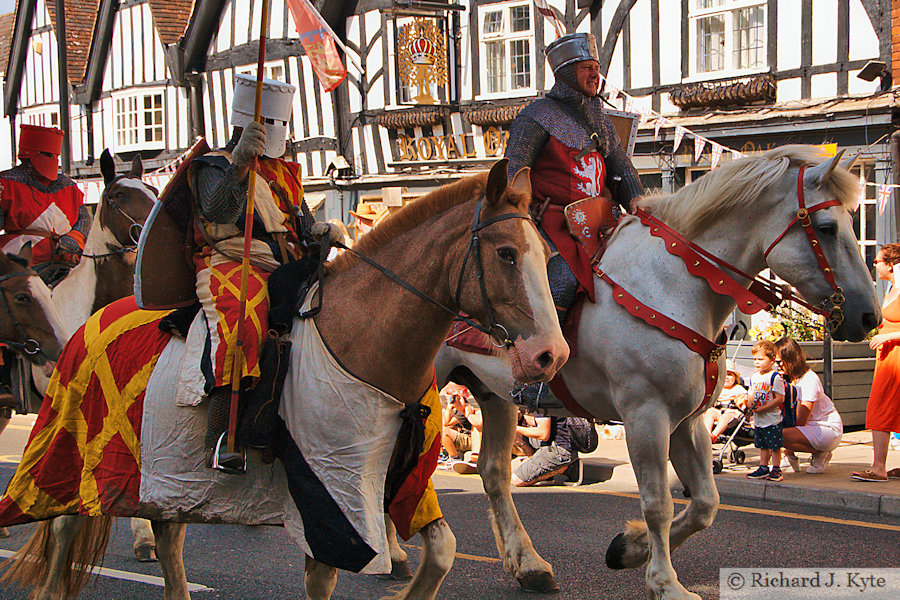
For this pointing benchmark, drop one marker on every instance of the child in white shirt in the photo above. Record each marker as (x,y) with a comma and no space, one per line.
(767,395)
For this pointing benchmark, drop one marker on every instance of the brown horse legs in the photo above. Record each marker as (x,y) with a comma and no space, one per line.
(520,558)
(169,544)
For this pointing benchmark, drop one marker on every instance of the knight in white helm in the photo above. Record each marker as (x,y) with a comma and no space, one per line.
(219,186)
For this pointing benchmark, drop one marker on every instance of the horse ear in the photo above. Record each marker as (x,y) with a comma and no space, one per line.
(521,185)
(849,162)
(816,176)
(26,253)
(137,167)
(107,167)
(496,183)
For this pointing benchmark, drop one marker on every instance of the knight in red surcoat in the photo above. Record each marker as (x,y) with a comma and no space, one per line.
(574,153)
(42,208)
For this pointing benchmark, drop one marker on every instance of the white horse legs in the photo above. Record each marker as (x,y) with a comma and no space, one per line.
(520,558)
(691,455)
(144,543)
(648,447)
(169,544)
(399,562)
(320,580)
(438,552)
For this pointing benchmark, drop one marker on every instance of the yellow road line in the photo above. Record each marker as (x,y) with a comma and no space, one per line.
(764,511)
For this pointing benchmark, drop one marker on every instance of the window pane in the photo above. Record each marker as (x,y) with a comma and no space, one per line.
(493,22)
(709,3)
(519,18)
(711,44)
(748,38)
(520,63)
(496,67)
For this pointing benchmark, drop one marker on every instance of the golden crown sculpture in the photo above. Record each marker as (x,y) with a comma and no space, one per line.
(422,57)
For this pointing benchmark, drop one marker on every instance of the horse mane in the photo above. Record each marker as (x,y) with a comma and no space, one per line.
(413,214)
(693,207)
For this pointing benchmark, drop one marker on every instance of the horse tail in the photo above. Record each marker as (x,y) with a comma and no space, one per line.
(30,566)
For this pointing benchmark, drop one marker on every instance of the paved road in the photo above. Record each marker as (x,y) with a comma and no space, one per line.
(570,526)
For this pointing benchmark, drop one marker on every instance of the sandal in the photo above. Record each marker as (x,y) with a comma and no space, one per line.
(868,475)
(894,473)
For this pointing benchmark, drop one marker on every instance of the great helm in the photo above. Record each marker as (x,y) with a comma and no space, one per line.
(277,98)
(34,140)
(574,47)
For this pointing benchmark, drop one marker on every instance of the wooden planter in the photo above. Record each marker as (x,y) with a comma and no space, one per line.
(853,366)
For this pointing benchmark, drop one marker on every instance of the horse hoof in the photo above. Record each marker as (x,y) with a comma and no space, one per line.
(4,532)
(615,552)
(145,553)
(541,582)
(399,572)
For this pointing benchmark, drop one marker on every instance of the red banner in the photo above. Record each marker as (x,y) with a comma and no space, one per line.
(318,43)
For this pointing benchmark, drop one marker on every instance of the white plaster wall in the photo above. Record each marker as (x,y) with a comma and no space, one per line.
(824,26)
(788,35)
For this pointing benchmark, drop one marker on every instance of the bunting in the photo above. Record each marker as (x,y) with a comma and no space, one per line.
(884,194)
(547,12)
(699,143)
(679,134)
(716,155)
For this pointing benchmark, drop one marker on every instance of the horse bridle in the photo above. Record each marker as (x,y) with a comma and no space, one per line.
(832,307)
(134,230)
(497,333)
(30,345)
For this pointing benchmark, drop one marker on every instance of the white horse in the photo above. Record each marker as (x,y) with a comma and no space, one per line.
(483,257)
(624,369)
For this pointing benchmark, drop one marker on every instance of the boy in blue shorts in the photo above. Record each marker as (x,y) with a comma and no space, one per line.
(767,395)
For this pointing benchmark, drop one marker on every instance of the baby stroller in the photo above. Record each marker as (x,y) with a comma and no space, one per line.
(739,434)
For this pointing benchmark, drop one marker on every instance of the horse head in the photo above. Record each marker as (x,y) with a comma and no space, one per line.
(28,322)
(818,253)
(502,281)
(126,201)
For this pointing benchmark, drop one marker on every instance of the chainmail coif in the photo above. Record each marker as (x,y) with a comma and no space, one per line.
(530,132)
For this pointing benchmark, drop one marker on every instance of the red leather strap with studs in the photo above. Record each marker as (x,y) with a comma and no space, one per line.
(710,351)
(719,281)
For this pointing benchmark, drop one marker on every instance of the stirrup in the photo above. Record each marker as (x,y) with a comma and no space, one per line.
(233,463)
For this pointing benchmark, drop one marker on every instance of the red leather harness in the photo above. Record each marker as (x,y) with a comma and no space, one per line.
(762,294)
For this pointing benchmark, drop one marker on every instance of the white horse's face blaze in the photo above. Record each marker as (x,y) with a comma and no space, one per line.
(514,259)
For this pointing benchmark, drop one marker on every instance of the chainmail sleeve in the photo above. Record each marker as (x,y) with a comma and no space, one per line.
(83,224)
(526,142)
(618,164)
(221,197)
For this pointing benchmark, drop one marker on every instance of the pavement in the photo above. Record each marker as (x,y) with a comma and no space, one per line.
(831,489)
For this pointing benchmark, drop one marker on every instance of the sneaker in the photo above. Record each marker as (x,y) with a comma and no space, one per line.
(759,473)
(466,467)
(794,462)
(818,462)
(775,475)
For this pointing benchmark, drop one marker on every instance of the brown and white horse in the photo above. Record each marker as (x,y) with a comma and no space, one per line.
(468,247)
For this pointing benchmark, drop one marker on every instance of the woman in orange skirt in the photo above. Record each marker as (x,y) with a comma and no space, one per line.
(883,409)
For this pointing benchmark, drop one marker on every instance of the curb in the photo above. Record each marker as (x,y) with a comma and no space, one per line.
(882,505)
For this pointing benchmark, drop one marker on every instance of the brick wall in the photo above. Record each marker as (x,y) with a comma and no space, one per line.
(895,39)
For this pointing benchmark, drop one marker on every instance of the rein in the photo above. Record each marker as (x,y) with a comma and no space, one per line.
(497,333)
(763,294)
(30,345)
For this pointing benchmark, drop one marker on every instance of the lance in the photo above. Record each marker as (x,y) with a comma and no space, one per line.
(238,364)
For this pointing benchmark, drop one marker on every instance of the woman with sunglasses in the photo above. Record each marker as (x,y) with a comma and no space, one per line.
(819,427)
(883,408)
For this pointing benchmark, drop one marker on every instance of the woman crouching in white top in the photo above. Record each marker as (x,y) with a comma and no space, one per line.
(819,426)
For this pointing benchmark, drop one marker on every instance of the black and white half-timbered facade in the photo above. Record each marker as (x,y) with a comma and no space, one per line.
(438,83)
